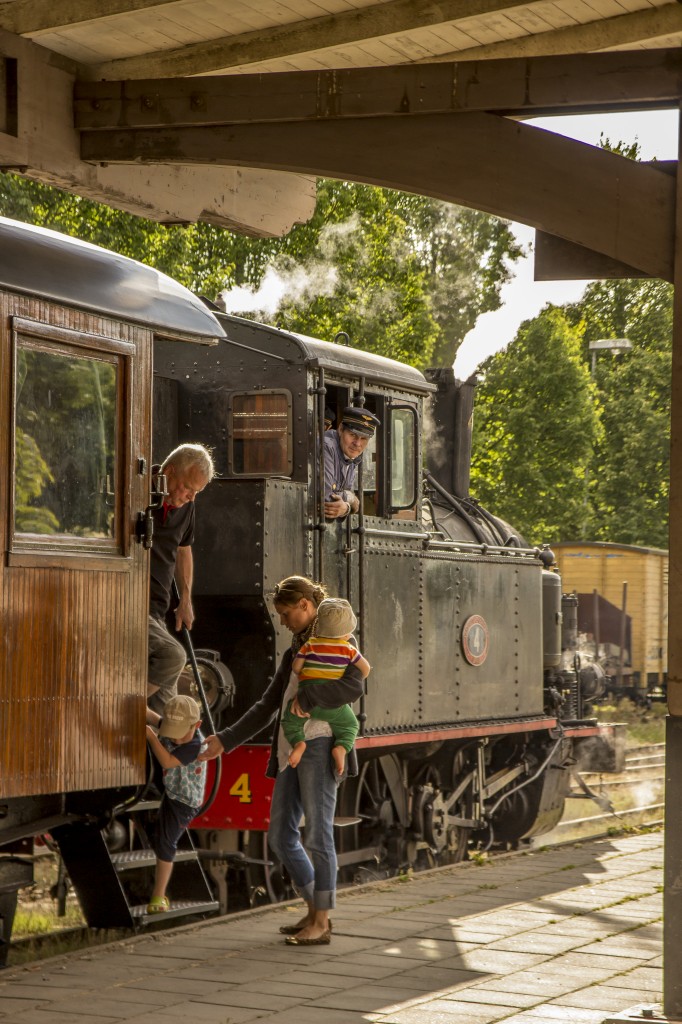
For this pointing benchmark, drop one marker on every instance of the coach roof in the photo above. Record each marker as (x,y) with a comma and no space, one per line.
(67,270)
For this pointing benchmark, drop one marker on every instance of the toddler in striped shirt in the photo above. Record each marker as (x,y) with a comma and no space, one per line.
(325,657)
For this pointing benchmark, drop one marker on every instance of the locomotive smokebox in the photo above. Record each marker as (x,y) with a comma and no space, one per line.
(448,440)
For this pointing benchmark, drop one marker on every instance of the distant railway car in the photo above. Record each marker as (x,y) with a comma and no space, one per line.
(641,628)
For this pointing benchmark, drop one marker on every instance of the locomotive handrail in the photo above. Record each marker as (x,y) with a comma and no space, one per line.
(319,486)
(371,531)
(487,549)
(451,545)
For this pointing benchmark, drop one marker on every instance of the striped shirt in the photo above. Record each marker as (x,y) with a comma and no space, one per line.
(326,658)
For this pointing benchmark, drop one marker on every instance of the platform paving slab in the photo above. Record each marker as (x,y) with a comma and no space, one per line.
(368,998)
(176,986)
(13,1006)
(50,1016)
(642,978)
(551,1013)
(257,1000)
(204,1013)
(489,997)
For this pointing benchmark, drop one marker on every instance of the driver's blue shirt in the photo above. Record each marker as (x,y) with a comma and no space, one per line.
(340,472)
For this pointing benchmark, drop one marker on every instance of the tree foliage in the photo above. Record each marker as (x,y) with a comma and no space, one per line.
(535,427)
(564,455)
(629,502)
(403,275)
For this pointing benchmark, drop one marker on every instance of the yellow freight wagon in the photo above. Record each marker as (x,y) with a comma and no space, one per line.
(589,566)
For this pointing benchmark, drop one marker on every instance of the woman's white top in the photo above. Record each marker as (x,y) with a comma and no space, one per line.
(312,728)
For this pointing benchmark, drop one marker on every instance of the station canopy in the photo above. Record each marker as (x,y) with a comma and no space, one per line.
(59,57)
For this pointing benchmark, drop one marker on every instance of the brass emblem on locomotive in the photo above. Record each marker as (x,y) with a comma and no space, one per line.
(475,640)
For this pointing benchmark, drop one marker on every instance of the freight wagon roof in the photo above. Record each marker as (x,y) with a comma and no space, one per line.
(53,266)
(341,359)
(607,546)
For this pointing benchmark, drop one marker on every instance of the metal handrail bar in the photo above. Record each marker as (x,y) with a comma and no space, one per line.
(450,545)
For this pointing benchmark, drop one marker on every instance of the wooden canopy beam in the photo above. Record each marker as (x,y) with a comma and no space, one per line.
(353,26)
(30,17)
(605,202)
(526,87)
(622,30)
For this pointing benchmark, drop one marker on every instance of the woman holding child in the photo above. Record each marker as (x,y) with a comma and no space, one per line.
(310,787)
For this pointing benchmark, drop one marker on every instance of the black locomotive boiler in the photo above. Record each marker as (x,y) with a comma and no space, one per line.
(474,710)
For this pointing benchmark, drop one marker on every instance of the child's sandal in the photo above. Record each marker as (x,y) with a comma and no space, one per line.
(158,905)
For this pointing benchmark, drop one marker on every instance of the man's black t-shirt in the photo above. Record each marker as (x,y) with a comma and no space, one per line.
(173,528)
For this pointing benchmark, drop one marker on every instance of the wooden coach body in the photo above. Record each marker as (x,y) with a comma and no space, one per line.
(77,327)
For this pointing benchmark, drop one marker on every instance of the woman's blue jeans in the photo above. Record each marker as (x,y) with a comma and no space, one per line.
(310,790)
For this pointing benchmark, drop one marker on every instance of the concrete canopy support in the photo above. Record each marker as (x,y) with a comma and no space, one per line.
(600,200)
(527,87)
(38,139)
(672,976)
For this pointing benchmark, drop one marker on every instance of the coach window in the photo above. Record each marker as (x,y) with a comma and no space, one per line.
(403,448)
(65,455)
(260,442)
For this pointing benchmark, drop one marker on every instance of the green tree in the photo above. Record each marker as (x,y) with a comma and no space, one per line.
(535,428)
(631,461)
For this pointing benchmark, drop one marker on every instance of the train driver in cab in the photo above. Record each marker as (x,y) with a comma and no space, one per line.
(188,469)
(343,452)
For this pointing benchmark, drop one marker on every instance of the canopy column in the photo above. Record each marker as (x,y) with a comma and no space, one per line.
(672,935)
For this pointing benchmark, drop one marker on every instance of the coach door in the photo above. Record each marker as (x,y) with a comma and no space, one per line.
(74,578)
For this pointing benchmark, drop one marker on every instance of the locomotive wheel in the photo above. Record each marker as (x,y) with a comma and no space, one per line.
(379,798)
(458,837)
(443,843)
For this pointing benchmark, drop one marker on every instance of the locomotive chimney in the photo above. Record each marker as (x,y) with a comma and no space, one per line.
(448,447)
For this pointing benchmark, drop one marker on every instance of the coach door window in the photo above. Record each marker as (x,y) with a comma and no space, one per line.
(65,455)
(260,434)
(403,430)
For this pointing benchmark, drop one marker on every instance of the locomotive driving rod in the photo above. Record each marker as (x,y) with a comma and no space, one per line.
(208,721)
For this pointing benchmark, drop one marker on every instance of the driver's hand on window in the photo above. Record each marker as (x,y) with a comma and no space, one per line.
(336,508)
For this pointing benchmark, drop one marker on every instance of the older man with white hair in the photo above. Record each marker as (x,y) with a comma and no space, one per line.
(188,469)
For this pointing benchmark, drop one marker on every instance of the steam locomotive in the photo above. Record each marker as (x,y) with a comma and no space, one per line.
(476,708)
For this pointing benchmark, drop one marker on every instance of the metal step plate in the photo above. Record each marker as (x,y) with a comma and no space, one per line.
(145,858)
(178,908)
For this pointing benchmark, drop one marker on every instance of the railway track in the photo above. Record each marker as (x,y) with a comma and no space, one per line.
(644,767)
(636,795)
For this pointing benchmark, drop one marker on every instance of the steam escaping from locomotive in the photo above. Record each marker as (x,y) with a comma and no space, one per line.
(295,283)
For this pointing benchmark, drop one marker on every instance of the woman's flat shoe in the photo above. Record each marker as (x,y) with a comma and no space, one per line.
(323,940)
(294,929)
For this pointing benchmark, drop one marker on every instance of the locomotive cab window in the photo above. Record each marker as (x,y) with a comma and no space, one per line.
(67,459)
(403,449)
(260,442)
